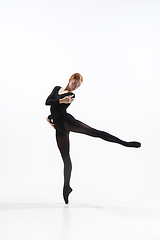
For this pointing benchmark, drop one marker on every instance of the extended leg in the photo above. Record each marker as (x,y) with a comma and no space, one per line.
(63,145)
(79,127)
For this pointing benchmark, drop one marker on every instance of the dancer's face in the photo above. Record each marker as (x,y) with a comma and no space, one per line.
(74,84)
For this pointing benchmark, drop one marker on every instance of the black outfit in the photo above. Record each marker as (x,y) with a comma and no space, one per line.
(58,111)
(64,123)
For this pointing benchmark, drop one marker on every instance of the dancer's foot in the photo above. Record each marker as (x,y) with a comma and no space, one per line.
(66,192)
(133,144)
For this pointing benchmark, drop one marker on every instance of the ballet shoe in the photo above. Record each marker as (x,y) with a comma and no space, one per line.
(66,192)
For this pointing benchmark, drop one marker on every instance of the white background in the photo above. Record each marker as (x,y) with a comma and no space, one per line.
(115,46)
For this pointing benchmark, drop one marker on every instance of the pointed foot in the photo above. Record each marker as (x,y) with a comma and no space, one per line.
(134,144)
(66,192)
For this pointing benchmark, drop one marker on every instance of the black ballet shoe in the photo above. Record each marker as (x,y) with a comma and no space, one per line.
(66,192)
(134,144)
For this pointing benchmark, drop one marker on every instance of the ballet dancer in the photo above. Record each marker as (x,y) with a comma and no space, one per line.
(64,123)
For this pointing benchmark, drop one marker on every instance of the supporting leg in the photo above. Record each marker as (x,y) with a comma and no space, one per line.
(63,145)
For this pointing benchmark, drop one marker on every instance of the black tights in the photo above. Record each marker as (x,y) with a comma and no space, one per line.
(62,138)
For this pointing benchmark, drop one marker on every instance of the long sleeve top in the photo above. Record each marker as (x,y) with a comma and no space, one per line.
(53,100)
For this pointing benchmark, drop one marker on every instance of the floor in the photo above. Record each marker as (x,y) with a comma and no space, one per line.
(43,221)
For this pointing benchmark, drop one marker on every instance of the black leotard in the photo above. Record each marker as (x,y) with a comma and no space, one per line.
(58,110)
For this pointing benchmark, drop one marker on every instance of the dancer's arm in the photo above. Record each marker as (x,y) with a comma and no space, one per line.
(51,100)
(53,125)
(67,99)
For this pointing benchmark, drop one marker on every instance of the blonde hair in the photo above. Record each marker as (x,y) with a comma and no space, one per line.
(76,76)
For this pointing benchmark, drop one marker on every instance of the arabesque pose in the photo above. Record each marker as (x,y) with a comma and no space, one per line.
(59,100)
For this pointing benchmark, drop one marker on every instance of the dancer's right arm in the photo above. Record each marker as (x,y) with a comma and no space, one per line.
(53,125)
(51,100)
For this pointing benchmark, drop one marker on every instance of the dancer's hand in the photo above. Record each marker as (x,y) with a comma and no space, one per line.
(50,123)
(67,99)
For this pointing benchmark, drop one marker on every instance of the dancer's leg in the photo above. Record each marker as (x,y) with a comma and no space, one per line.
(74,125)
(63,145)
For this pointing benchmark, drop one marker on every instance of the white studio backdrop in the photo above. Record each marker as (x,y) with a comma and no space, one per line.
(115,46)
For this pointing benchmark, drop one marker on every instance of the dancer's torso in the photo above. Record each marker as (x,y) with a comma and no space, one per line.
(58,109)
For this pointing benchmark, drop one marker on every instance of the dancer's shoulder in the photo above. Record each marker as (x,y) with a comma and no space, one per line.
(56,88)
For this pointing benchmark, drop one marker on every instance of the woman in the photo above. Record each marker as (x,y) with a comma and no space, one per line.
(60,99)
